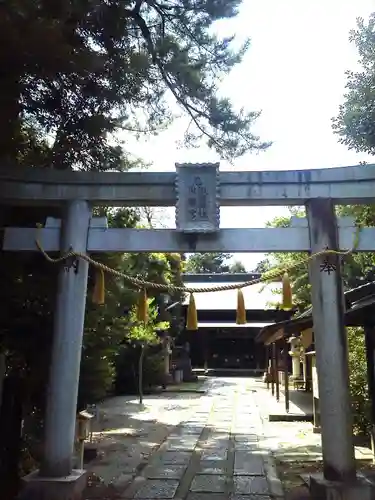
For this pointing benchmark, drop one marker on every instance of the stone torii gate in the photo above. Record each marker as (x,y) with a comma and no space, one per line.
(197,191)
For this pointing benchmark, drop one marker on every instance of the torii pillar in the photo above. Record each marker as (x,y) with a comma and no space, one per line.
(56,479)
(339,479)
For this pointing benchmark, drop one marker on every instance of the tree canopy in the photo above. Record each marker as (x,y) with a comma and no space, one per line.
(355,122)
(215,262)
(355,127)
(237,267)
(79,78)
(80,72)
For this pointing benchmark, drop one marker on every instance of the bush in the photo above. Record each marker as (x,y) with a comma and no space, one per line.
(96,379)
(127,370)
(358,381)
(153,370)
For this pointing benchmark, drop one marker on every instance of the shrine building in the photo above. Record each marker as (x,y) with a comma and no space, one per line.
(219,344)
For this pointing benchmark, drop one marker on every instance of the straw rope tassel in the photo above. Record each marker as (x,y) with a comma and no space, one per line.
(192,317)
(98,296)
(142,307)
(241,310)
(287,293)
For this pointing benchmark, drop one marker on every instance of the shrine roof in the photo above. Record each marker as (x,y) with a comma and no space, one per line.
(257,297)
(223,324)
(219,277)
(360,303)
(255,318)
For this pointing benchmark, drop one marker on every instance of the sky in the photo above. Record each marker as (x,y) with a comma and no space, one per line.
(294,72)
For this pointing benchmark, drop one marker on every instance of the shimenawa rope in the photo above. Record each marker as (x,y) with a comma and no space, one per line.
(268,276)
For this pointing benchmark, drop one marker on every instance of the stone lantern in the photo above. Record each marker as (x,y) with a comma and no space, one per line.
(295,355)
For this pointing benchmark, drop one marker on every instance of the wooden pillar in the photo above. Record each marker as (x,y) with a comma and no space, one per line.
(286,376)
(206,347)
(277,357)
(273,369)
(267,366)
(166,349)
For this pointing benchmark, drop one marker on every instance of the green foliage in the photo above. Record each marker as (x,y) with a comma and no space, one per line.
(359,268)
(112,328)
(77,75)
(79,72)
(153,370)
(299,277)
(145,334)
(105,325)
(29,299)
(355,122)
(141,335)
(237,267)
(215,262)
(355,127)
(263,266)
(358,380)
(127,375)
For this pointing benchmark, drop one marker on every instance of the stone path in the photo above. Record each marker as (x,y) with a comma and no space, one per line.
(292,441)
(130,433)
(215,446)
(211,454)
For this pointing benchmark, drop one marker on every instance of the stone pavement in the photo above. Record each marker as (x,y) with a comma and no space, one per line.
(207,448)
(291,441)
(215,446)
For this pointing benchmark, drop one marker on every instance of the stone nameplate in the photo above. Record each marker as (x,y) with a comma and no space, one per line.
(198,200)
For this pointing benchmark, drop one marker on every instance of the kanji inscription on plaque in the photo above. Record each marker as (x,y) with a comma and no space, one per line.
(197,209)
(198,200)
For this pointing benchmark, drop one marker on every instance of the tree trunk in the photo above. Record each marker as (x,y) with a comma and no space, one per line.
(10,425)
(2,375)
(140,373)
(10,118)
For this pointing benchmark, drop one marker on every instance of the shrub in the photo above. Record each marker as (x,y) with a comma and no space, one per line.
(358,381)
(127,370)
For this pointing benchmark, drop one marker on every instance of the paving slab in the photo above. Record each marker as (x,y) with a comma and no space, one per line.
(157,488)
(248,438)
(207,496)
(250,497)
(180,443)
(184,431)
(206,467)
(215,443)
(246,485)
(164,471)
(214,454)
(248,447)
(247,464)
(172,457)
(209,483)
